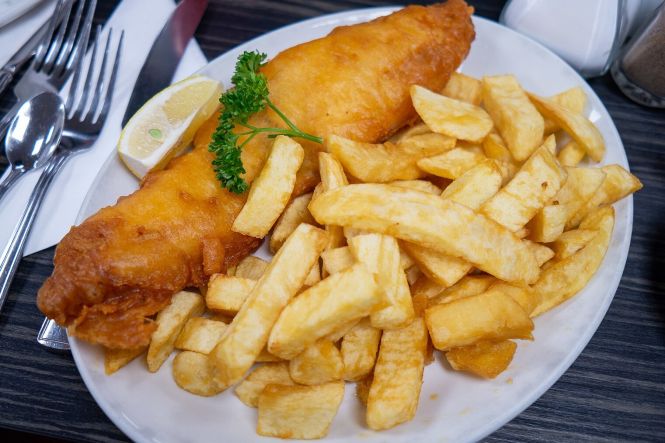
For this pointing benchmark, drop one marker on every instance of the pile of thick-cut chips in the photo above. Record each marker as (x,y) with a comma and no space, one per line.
(453,235)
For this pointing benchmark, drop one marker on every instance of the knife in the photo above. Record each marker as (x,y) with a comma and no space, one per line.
(164,56)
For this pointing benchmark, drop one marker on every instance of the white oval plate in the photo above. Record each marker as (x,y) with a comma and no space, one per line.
(453,406)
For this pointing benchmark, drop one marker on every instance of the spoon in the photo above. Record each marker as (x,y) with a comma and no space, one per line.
(32,136)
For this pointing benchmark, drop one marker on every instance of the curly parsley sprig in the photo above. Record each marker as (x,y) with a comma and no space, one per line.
(249,96)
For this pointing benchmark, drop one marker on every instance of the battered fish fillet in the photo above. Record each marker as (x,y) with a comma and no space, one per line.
(123,264)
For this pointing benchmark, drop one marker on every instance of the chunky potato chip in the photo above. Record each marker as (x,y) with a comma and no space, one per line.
(418,185)
(495,148)
(314,276)
(341,298)
(618,184)
(439,267)
(571,154)
(475,186)
(362,389)
(200,335)
(193,372)
(332,177)
(410,131)
(250,388)
(451,117)
(413,274)
(492,315)
(298,412)
(523,295)
(265,357)
(426,287)
(463,87)
(342,330)
(466,287)
(337,260)
(398,376)
(518,121)
(271,190)
(432,222)
(319,363)
(381,255)
(573,99)
(227,294)
(484,359)
(539,179)
(248,333)
(566,277)
(541,252)
(388,161)
(115,359)
(577,126)
(451,164)
(251,267)
(294,214)
(359,348)
(170,322)
(570,242)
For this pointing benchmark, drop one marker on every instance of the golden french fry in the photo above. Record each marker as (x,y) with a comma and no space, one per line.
(248,333)
(539,179)
(439,267)
(463,87)
(542,253)
(570,242)
(618,184)
(170,322)
(523,295)
(337,260)
(573,99)
(398,376)
(410,131)
(359,347)
(495,148)
(251,267)
(451,117)
(362,389)
(418,185)
(319,363)
(271,190)
(581,185)
(331,171)
(227,294)
(249,390)
(298,412)
(314,275)
(381,255)
(115,359)
(566,277)
(491,315)
(432,222)
(294,214)
(200,335)
(335,301)
(342,330)
(571,154)
(484,359)
(451,164)
(475,186)
(426,287)
(577,126)
(193,372)
(517,120)
(265,357)
(413,274)
(466,287)
(388,161)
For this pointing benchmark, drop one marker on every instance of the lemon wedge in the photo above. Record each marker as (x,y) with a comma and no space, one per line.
(166,124)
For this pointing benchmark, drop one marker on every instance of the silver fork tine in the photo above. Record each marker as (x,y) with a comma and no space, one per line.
(56,42)
(100,78)
(42,49)
(68,43)
(81,43)
(81,108)
(73,87)
(109,90)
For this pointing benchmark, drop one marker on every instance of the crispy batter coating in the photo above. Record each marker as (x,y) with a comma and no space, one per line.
(124,263)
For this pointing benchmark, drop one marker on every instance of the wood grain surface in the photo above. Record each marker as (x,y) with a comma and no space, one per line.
(615,391)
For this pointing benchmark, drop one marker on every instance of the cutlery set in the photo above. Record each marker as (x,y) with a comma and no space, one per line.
(63,99)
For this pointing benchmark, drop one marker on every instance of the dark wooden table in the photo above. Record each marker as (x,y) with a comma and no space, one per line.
(615,391)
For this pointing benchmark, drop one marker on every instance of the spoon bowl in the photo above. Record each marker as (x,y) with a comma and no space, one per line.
(33,135)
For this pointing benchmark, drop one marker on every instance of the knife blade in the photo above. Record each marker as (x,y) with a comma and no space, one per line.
(164,56)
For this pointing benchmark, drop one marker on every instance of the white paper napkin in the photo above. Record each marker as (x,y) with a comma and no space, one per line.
(141,21)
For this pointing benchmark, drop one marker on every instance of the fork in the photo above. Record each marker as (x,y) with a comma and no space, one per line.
(86,108)
(57,55)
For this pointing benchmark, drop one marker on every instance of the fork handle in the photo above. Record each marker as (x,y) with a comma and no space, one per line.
(9,181)
(13,253)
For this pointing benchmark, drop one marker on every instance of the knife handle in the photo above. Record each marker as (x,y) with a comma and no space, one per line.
(5,79)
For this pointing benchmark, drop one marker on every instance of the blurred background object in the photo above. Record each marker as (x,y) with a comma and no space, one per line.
(587,34)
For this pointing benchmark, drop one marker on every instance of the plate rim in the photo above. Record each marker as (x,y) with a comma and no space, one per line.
(554,375)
